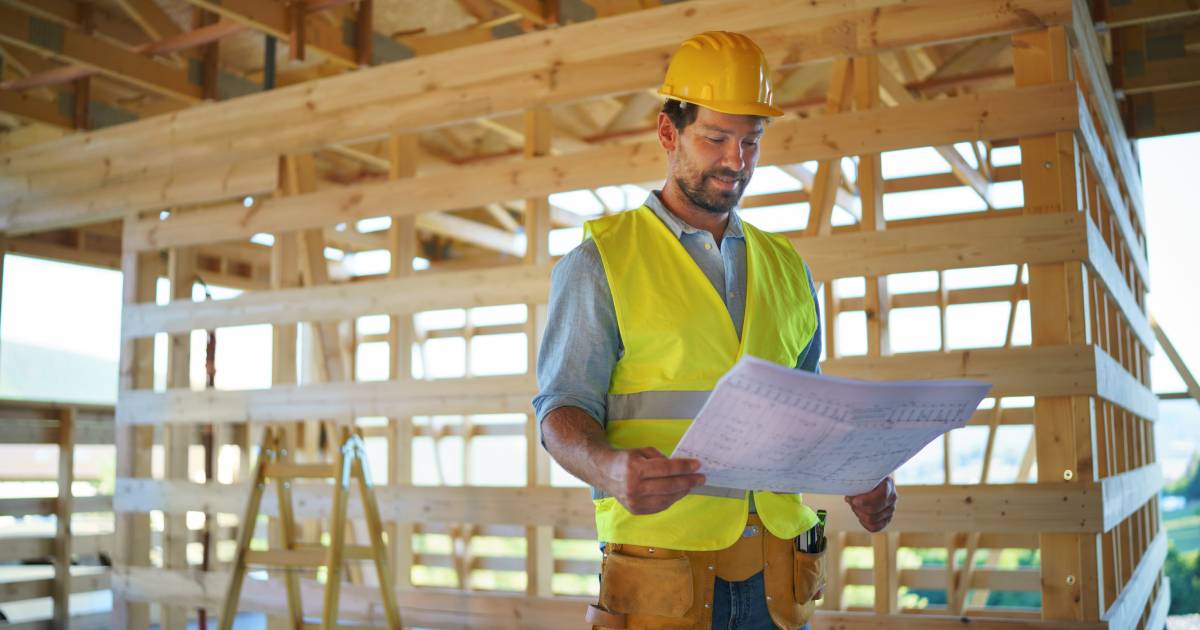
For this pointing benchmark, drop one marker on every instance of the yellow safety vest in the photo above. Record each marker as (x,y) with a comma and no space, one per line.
(679,339)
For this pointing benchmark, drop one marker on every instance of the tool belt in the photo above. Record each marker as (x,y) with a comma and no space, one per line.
(645,588)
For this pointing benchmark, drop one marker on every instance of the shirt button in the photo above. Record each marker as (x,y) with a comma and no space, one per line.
(732,294)
(708,246)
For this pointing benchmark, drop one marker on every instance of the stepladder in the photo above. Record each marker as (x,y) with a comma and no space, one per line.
(276,466)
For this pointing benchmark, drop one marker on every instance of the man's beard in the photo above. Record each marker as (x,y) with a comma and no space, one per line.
(714,201)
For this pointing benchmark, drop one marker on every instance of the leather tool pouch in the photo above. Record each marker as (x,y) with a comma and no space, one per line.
(650,589)
(809,578)
(791,578)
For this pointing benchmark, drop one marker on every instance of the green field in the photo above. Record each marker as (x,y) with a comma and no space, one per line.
(1183,528)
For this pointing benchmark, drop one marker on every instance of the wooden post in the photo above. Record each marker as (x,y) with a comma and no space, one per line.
(870,190)
(62,516)
(133,443)
(285,273)
(829,170)
(83,86)
(402,244)
(363,32)
(177,438)
(1058,309)
(885,573)
(539,558)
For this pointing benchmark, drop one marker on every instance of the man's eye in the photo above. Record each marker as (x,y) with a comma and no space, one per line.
(714,140)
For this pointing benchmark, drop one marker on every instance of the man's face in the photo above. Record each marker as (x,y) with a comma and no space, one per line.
(714,157)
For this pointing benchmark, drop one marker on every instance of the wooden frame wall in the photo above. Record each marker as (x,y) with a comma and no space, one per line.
(1092,511)
(25,422)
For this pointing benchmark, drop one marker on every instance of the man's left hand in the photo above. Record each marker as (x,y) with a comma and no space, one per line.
(874,509)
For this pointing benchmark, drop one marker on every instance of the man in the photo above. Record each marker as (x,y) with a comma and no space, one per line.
(644,317)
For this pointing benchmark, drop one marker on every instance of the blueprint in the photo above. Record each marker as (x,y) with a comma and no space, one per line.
(769,427)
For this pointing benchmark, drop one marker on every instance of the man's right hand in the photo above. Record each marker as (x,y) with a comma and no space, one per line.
(645,481)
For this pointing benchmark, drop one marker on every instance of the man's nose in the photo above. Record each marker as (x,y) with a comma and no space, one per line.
(733,157)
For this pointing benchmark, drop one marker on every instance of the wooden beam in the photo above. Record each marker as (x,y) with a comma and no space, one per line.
(70,46)
(34,211)
(1052,371)
(844,620)
(1189,380)
(112,28)
(1087,47)
(1109,187)
(979,242)
(273,18)
(34,109)
(382,97)
(452,289)
(422,607)
(151,18)
(473,232)
(946,246)
(828,176)
(845,199)
(1165,113)
(1131,604)
(971,57)
(996,114)
(1065,370)
(1128,492)
(1114,383)
(330,400)
(48,506)
(63,536)
(1119,14)
(992,508)
(19,548)
(1102,263)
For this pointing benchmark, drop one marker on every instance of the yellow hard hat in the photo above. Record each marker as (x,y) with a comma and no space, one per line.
(723,71)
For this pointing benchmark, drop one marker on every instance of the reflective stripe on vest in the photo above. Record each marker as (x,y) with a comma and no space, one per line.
(656,404)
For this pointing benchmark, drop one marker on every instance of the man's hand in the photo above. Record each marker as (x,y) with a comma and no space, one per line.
(874,509)
(645,481)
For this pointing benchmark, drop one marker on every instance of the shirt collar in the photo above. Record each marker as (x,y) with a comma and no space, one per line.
(679,227)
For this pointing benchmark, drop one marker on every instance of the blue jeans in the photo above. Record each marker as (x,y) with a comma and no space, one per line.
(741,605)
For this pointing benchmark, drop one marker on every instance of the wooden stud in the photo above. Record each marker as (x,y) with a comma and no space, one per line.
(62,517)
(885,572)
(1059,314)
(539,541)
(363,32)
(133,444)
(402,245)
(177,440)
(829,170)
(870,191)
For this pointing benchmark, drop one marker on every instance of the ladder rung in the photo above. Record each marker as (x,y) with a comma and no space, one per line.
(287,470)
(310,625)
(349,552)
(288,557)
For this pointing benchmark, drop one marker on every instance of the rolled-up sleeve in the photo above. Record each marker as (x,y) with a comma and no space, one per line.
(581,343)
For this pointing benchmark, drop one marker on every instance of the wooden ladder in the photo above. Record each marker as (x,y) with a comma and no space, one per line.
(275,463)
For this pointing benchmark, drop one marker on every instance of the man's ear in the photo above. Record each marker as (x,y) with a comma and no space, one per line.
(668,135)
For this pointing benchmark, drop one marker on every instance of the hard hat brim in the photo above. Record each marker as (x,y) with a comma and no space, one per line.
(730,107)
